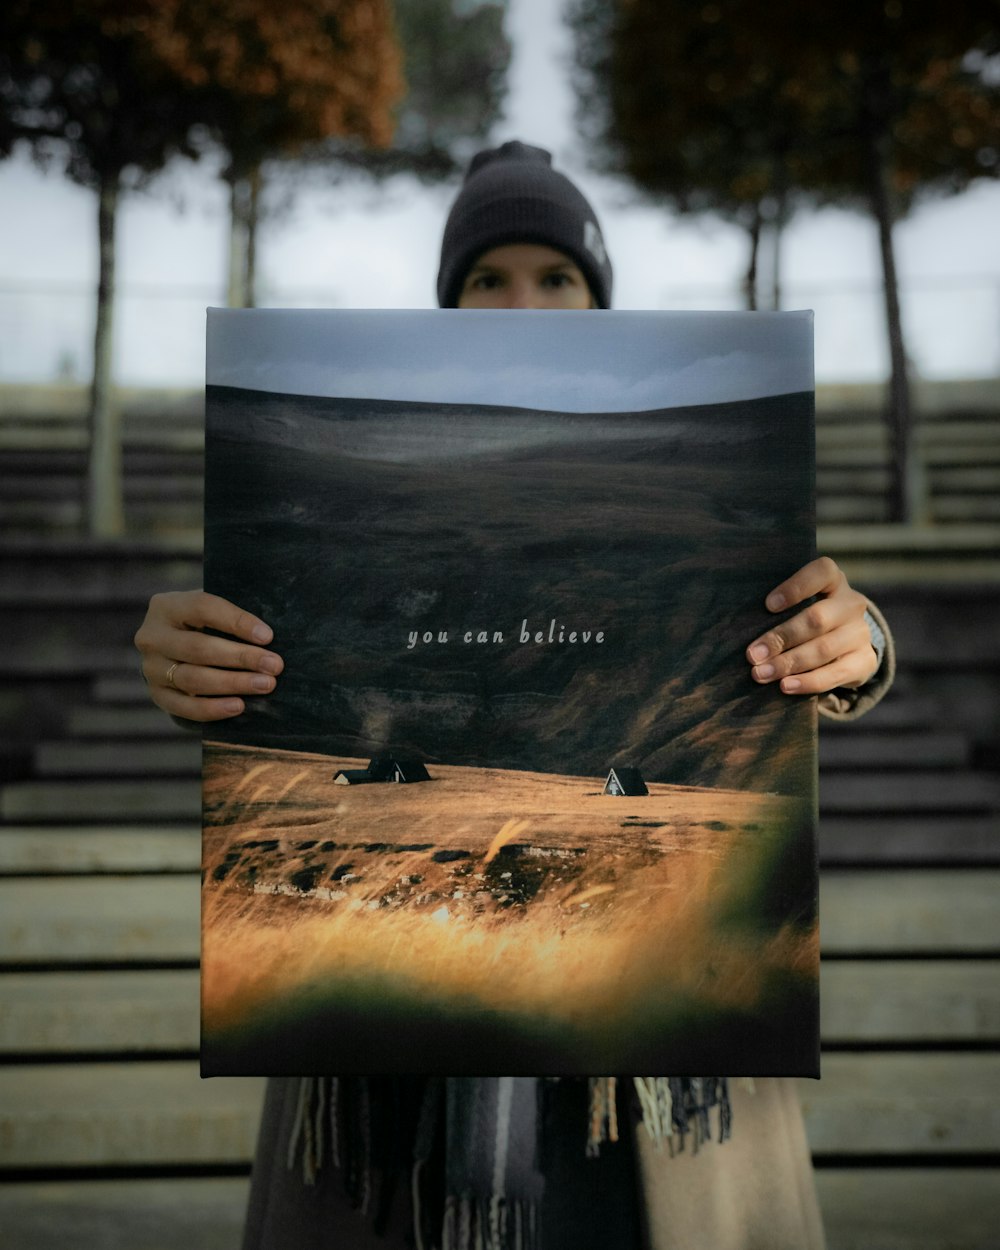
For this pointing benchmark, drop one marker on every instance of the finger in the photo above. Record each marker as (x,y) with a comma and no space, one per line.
(822,576)
(850,670)
(195,679)
(192,708)
(197,609)
(206,650)
(846,609)
(173,624)
(817,653)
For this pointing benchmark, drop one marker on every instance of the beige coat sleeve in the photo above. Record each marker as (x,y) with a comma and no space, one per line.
(843,704)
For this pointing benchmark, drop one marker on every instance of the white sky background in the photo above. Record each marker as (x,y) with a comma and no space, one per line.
(352,246)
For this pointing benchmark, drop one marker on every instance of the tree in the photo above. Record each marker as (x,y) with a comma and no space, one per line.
(455,61)
(671,97)
(80,83)
(727,106)
(899,102)
(275,81)
(114,88)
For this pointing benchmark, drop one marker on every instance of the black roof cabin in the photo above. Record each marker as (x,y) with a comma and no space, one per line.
(399,768)
(353,777)
(625,781)
(407,768)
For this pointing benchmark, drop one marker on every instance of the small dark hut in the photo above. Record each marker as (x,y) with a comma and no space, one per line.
(398,768)
(407,769)
(354,777)
(625,782)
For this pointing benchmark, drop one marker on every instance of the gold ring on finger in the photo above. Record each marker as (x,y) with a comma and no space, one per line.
(170,674)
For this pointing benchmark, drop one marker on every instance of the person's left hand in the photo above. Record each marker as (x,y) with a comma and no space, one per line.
(827,644)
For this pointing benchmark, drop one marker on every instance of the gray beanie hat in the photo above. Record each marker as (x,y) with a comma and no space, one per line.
(513,195)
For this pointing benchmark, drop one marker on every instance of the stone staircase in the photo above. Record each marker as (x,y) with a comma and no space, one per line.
(107,1136)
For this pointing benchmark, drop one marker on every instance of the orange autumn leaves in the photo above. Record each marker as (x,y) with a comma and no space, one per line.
(301,72)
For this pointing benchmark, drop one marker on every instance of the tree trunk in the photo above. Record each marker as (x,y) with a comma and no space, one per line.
(105,509)
(236,292)
(777,230)
(905,500)
(244,217)
(750,277)
(254,183)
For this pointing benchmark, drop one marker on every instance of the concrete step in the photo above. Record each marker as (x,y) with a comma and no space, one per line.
(62,653)
(59,401)
(179,756)
(885,749)
(962,479)
(981,432)
(159,1113)
(944,455)
(65,573)
(26,517)
(916,540)
(175,1213)
(900,709)
(142,461)
(974,508)
(944,557)
(72,588)
(152,549)
(833,509)
(895,1002)
(124,688)
(961,791)
(902,1208)
(125,1115)
(944,627)
(909,1208)
(893,1104)
(884,839)
(152,919)
(95,721)
(850,480)
(138,488)
(62,850)
(875,479)
(92,1013)
(75,437)
(851,509)
(98,799)
(909,911)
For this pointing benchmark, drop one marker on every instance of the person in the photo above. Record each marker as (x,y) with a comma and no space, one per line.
(520,235)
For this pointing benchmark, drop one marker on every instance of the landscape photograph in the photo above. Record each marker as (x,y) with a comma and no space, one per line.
(516,804)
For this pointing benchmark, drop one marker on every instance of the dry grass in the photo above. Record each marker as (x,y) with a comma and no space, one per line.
(600,949)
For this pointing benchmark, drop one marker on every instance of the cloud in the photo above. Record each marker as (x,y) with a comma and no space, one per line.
(561,362)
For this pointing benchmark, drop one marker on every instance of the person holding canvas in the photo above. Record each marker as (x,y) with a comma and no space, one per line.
(520,235)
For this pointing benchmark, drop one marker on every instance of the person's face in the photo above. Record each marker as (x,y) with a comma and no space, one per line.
(525,275)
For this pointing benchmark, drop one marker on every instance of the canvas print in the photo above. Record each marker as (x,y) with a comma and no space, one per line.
(516,805)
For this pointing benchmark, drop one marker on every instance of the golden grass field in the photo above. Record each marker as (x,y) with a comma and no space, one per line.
(488,920)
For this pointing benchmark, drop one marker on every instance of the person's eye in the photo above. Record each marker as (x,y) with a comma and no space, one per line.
(484,281)
(558,279)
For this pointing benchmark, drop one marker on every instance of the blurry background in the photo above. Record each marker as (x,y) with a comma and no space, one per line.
(737,157)
(329,239)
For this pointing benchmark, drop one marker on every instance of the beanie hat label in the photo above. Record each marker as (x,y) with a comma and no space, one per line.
(593,242)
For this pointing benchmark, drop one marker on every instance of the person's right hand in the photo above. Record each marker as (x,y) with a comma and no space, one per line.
(197,675)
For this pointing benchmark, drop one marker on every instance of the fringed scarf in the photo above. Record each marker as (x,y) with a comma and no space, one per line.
(470,1147)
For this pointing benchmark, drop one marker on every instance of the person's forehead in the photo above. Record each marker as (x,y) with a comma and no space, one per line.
(537,255)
